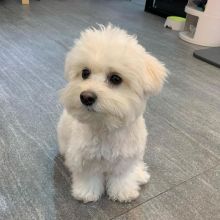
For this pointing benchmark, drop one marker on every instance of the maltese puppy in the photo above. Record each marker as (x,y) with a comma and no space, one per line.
(102,132)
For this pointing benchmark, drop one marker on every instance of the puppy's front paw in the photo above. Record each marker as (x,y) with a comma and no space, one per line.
(143,177)
(88,189)
(86,195)
(123,194)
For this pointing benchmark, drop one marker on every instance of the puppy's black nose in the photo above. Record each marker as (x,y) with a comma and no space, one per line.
(88,98)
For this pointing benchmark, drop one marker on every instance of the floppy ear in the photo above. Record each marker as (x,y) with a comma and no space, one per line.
(156,73)
(72,58)
(68,66)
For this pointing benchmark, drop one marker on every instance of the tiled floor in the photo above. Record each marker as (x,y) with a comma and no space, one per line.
(183,151)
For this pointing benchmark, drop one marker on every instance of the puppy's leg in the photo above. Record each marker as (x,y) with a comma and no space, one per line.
(64,131)
(123,184)
(142,175)
(87,186)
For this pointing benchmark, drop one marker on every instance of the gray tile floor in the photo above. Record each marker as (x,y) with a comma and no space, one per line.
(183,151)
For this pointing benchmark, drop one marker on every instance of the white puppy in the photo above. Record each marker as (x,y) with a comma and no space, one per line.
(102,132)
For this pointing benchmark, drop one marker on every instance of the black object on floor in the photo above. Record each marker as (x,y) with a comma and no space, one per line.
(166,8)
(210,55)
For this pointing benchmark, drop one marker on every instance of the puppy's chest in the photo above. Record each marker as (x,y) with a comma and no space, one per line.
(102,148)
(107,147)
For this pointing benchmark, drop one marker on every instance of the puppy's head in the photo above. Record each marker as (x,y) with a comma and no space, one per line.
(109,77)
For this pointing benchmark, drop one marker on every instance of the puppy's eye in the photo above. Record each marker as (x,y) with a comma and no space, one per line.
(115,79)
(85,73)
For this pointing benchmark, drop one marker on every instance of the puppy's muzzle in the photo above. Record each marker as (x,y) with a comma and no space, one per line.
(88,98)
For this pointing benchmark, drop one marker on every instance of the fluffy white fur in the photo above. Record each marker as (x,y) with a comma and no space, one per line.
(104,145)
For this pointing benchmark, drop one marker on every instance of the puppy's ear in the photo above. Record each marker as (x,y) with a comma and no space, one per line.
(67,66)
(156,74)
